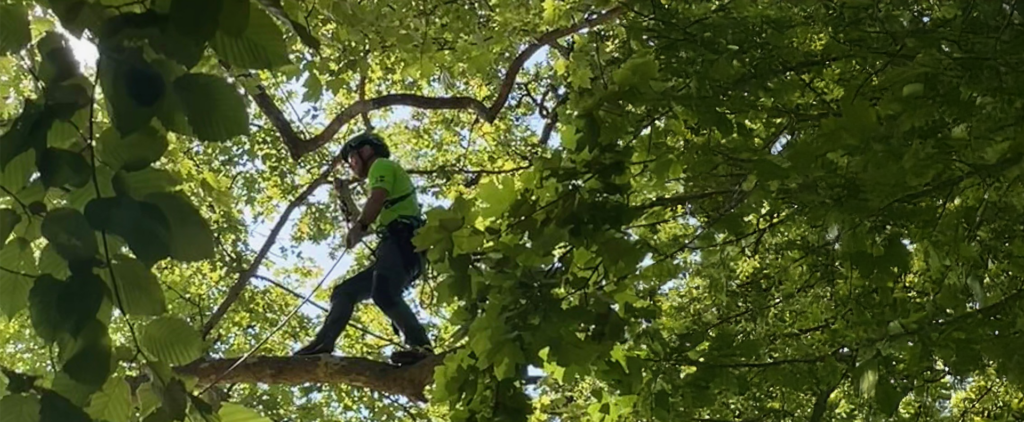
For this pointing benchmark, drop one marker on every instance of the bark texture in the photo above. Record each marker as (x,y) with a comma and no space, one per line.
(408,381)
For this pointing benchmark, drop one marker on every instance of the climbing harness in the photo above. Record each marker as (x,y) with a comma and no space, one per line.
(349,210)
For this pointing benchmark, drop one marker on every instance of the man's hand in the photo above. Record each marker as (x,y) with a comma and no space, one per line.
(355,234)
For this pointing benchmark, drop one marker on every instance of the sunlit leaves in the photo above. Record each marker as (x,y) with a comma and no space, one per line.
(113,403)
(498,194)
(171,340)
(215,110)
(231,412)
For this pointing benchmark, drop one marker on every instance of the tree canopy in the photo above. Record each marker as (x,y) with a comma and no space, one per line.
(711,210)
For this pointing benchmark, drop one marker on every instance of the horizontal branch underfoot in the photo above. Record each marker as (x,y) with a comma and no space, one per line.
(408,381)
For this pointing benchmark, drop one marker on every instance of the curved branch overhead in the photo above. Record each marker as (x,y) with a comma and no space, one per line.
(298,147)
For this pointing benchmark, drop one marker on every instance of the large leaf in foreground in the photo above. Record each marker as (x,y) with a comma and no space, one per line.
(19,408)
(171,340)
(191,237)
(140,290)
(260,46)
(69,232)
(14,28)
(131,153)
(215,110)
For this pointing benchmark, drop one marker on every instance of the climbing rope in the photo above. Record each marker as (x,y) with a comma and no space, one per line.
(279,326)
(350,212)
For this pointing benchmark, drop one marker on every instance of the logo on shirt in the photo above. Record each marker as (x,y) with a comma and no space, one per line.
(380,179)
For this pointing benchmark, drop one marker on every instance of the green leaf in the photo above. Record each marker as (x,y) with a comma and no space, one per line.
(27,133)
(171,340)
(14,290)
(888,397)
(66,98)
(232,412)
(79,301)
(234,17)
(139,288)
(868,377)
(55,408)
(14,28)
(69,232)
(132,153)
(138,184)
(19,407)
(51,263)
(43,307)
(9,218)
(196,19)
(113,403)
(59,62)
(215,110)
(91,363)
(498,195)
(142,225)
(175,399)
(60,167)
(276,9)
(191,236)
(17,172)
(169,111)
(133,89)
(314,88)
(260,46)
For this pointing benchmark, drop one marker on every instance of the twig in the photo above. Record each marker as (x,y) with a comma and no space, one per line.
(245,276)
(22,204)
(5,269)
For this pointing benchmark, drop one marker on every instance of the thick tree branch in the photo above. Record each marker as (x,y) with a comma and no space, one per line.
(297,147)
(246,276)
(407,381)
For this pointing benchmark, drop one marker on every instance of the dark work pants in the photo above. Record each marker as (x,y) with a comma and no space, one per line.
(395,267)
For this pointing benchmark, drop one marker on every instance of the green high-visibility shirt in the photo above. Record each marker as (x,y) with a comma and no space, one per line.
(401,199)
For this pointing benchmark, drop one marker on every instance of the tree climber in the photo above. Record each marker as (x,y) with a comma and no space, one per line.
(392,202)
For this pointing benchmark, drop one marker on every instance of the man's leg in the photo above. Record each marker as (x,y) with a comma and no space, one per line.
(343,301)
(390,280)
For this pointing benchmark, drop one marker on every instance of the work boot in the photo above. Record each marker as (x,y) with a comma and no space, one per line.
(314,348)
(411,357)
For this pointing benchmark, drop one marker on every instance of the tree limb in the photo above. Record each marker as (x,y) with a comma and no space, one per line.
(407,381)
(244,277)
(297,147)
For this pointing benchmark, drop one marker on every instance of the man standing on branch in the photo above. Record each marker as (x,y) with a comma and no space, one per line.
(394,211)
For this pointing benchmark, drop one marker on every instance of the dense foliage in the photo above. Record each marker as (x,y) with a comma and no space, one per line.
(709,210)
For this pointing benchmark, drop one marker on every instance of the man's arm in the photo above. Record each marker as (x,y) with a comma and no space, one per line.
(373,206)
